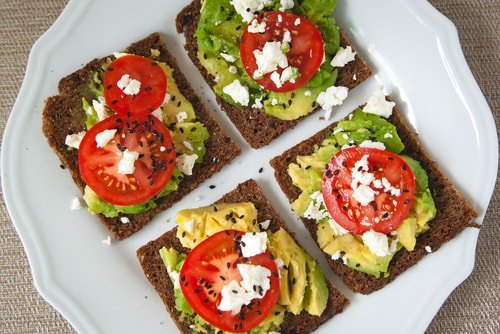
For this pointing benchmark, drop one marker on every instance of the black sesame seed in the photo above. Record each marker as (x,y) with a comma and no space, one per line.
(404,167)
(406,201)
(228,265)
(261,169)
(212,186)
(148,88)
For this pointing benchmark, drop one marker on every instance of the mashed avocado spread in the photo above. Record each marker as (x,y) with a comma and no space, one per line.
(306,174)
(178,115)
(302,283)
(219,33)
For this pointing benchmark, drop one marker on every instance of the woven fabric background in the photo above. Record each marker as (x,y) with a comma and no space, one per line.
(474,307)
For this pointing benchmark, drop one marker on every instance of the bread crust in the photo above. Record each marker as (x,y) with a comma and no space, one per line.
(257,127)
(150,260)
(63,114)
(454,211)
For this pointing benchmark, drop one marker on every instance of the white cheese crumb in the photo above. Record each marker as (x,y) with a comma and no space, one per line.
(158,113)
(373,144)
(104,137)
(363,194)
(124,220)
(287,38)
(354,77)
(388,135)
(185,163)
(181,116)
(286,4)
(257,276)
(233,69)
(76,203)
(342,57)
(247,8)
(275,78)
(75,139)
(289,74)
(274,101)
(297,21)
(189,225)
(107,241)
(126,164)
(256,27)
(333,96)
(378,105)
(376,242)
(253,243)
(258,103)
(229,58)
(233,297)
(336,255)
(308,93)
(238,92)
(119,54)
(99,106)
(129,86)
(269,59)
(428,249)
(155,53)
(166,99)
(336,228)
(280,18)
(174,276)
(187,145)
(265,224)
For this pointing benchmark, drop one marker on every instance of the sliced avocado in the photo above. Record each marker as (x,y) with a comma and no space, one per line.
(195,225)
(293,284)
(190,138)
(291,105)
(407,233)
(424,209)
(320,157)
(305,178)
(170,258)
(316,295)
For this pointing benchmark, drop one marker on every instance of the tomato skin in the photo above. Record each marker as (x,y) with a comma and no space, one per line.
(153,86)
(211,265)
(143,134)
(382,214)
(306,52)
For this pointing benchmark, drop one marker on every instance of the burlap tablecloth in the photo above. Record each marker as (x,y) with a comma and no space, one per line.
(472,308)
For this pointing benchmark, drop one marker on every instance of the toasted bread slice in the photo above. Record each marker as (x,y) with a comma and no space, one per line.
(454,211)
(150,260)
(63,114)
(257,127)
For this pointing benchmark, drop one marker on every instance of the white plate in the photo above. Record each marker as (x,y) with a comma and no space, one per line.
(101,289)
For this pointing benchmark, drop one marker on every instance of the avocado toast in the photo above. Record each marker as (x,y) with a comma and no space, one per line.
(64,115)
(439,211)
(248,192)
(259,128)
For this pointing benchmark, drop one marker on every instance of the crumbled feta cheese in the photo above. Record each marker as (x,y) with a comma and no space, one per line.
(254,276)
(104,137)
(308,93)
(274,101)
(124,220)
(275,78)
(280,18)
(233,69)
(126,164)
(388,135)
(297,21)
(269,59)
(166,99)
(238,92)
(253,244)
(174,276)
(258,103)
(129,86)
(313,211)
(354,77)
(342,57)
(265,224)
(76,203)
(336,228)
(181,116)
(107,241)
(363,194)
(388,187)
(393,247)
(247,8)
(378,105)
(185,163)
(256,27)
(233,297)
(344,259)
(158,113)
(373,144)
(163,148)
(99,106)
(333,96)
(286,4)
(229,58)
(119,54)
(428,249)
(376,242)
(187,145)
(289,74)
(75,139)
(336,255)
(287,38)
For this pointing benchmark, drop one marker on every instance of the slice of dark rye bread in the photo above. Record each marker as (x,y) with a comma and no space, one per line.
(454,212)
(258,128)
(249,191)
(63,114)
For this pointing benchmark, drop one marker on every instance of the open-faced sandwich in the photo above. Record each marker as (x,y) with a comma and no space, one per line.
(271,62)
(233,267)
(371,196)
(134,135)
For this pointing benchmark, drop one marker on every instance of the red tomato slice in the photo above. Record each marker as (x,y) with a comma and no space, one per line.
(213,264)
(152,90)
(387,210)
(143,134)
(306,51)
